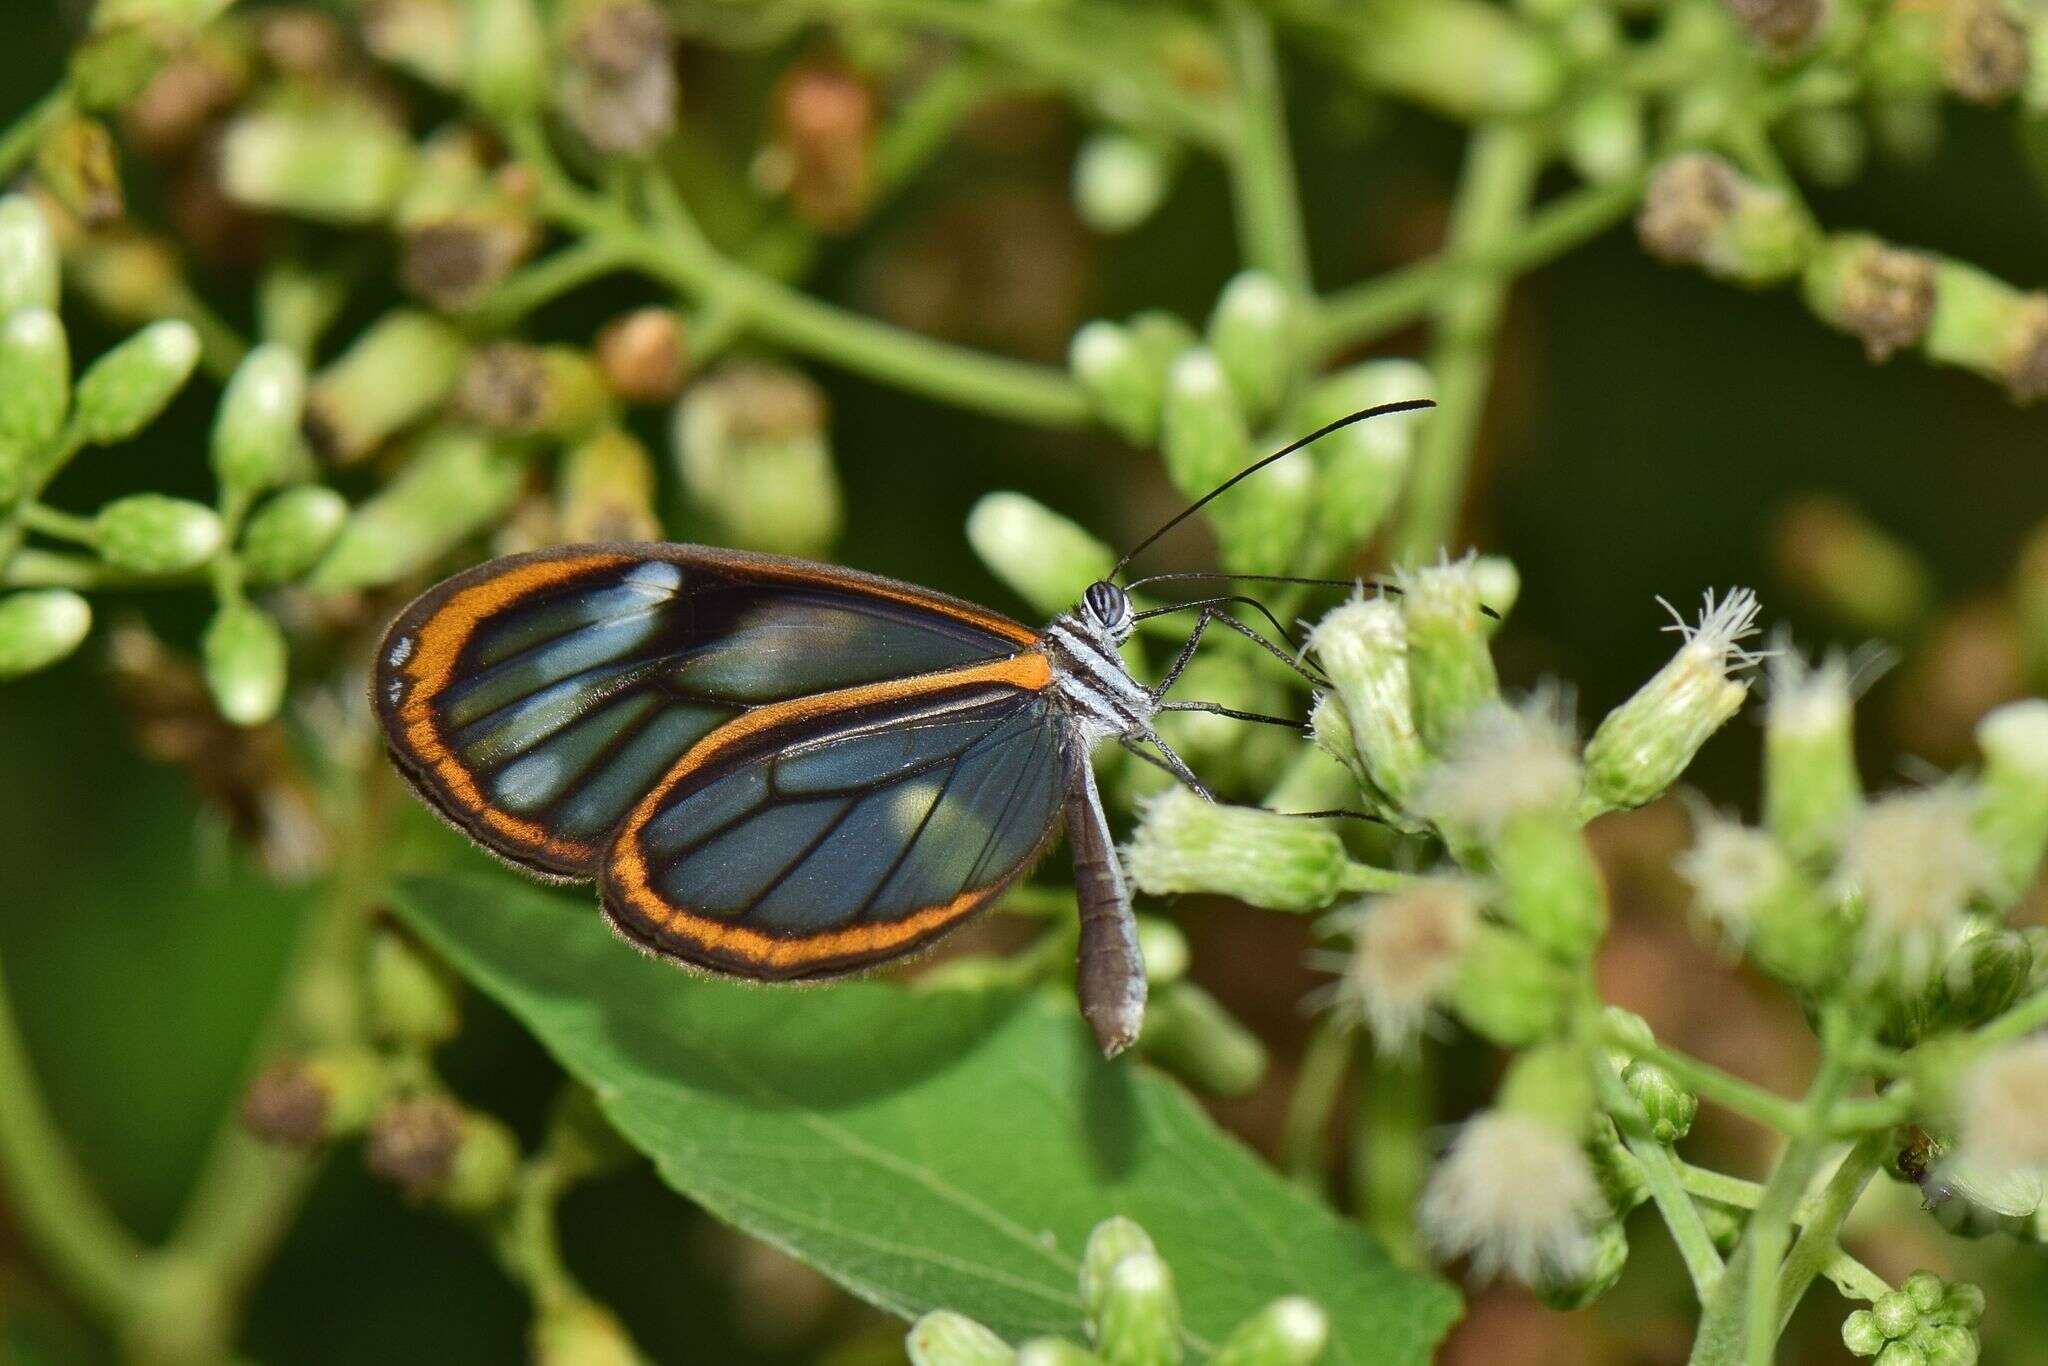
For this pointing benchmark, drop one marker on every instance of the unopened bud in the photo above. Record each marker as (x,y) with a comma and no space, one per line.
(39,628)
(1604,135)
(456,484)
(256,432)
(1983,50)
(1186,844)
(2012,803)
(1881,294)
(1985,325)
(1055,1352)
(398,370)
(1829,145)
(754,453)
(411,996)
(1811,789)
(433,1148)
(532,390)
(1450,667)
(944,1338)
(29,267)
(1465,59)
(77,164)
(642,355)
(149,533)
(1644,744)
(1668,1106)
(1552,887)
(1110,1241)
(1619,1171)
(1699,211)
(244,657)
(607,489)
(1254,336)
(424,37)
(1863,576)
(1508,990)
(1046,558)
(338,162)
(1862,1335)
(504,54)
(1203,436)
(1361,468)
(1984,975)
(1288,1332)
(1190,1034)
(1119,180)
(289,533)
(124,390)
(304,1102)
(617,85)
(1135,1316)
(35,378)
(1126,389)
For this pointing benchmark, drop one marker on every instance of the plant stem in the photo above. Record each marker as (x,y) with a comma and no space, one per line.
(1313,1099)
(1263,188)
(1661,1170)
(63,525)
(19,142)
(2022,1020)
(1500,170)
(1816,1250)
(1363,877)
(555,274)
(1390,1157)
(1732,1092)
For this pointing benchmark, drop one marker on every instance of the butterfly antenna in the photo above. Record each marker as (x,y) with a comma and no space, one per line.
(1405,406)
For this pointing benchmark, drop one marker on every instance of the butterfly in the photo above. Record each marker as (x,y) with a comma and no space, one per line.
(783,770)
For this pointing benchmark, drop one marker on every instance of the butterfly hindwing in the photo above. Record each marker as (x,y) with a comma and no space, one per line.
(537,699)
(826,833)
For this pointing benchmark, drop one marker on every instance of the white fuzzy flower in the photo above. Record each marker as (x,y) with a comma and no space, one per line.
(1716,642)
(1518,1195)
(1805,697)
(1916,863)
(1505,762)
(2002,1109)
(1406,947)
(1732,869)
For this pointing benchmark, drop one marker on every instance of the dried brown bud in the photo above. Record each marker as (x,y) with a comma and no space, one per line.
(1983,50)
(201,81)
(286,1105)
(413,1143)
(1880,293)
(2024,366)
(824,140)
(1689,202)
(301,41)
(619,83)
(454,261)
(642,355)
(766,402)
(1781,27)
(607,490)
(76,162)
(512,387)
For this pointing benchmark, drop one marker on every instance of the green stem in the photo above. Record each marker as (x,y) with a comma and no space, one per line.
(64,526)
(1732,1092)
(552,276)
(1500,171)
(19,142)
(1263,188)
(1314,1098)
(1662,1172)
(1816,1250)
(1391,1158)
(2022,1020)
(1363,877)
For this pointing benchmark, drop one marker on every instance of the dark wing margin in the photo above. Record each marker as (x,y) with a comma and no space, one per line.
(534,700)
(816,837)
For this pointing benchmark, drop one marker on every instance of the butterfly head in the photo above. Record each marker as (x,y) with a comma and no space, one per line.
(1108,607)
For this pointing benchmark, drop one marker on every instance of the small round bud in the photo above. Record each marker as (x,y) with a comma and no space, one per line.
(944,1338)
(504,54)
(256,432)
(1508,990)
(576,1332)
(1361,468)
(1450,667)
(642,355)
(1253,334)
(456,484)
(1699,211)
(35,379)
(148,533)
(243,654)
(290,532)
(1186,844)
(1203,436)
(1164,950)
(412,998)
(617,86)
(1963,1305)
(1471,61)
(1926,1290)
(304,1102)
(1288,1332)
(1984,976)
(1363,647)
(1109,1242)
(1881,294)
(29,269)
(1189,1033)
(1136,1320)
(1604,135)
(39,628)
(1619,1171)
(1668,1106)
(1125,386)
(1895,1314)
(1947,1345)
(1862,1335)
(397,371)
(1119,180)
(1048,560)
(338,161)
(126,388)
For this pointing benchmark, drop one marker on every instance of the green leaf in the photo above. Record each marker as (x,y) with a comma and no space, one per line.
(925,1149)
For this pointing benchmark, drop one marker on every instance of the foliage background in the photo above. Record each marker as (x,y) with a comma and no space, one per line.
(1647,428)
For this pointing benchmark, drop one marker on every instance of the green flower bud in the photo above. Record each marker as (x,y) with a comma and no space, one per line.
(397,371)
(456,484)
(1985,325)
(754,453)
(1597,1275)
(35,379)
(297,301)
(433,1148)
(1185,844)
(1046,558)
(1288,1332)
(1895,1314)
(1552,1082)
(2012,803)
(944,1338)
(412,997)
(1361,468)
(1118,181)
(1203,437)
(29,269)
(1261,532)
(423,37)
(1619,1171)
(1450,668)
(1861,1334)
(1925,1290)
(124,390)
(304,1102)
(1109,1242)
(1125,386)
(1190,1034)
(77,164)
(1811,790)
(1947,1345)
(1963,1305)
(606,490)
(1603,135)
(116,62)
(505,58)
(289,533)
(1630,1030)
(572,1331)
(1859,573)
(1984,975)
(1500,586)
(256,432)
(1253,333)
(1829,145)
(1881,294)
(39,628)
(1644,744)
(1136,1316)
(148,533)
(1508,990)
(1460,57)
(1055,1352)
(338,161)
(243,653)
(532,390)
(1552,887)
(1668,1106)
(1700,211)
(1164,950)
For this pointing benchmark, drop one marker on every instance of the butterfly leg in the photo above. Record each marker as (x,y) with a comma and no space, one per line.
(1223,618)
(1171,763)
(1110,976)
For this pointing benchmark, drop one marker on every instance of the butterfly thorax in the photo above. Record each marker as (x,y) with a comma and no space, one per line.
(1091,680)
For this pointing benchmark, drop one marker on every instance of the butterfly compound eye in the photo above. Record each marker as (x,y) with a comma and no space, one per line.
(1110,606)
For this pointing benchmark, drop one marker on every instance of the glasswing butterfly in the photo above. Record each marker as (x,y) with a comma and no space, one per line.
(783,770)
